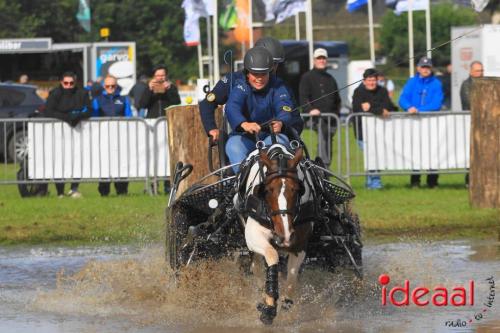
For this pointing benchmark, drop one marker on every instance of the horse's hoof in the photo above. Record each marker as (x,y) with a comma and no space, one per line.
(287,304)
(267,313)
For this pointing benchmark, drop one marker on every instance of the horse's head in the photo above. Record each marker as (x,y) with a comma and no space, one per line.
(282,190)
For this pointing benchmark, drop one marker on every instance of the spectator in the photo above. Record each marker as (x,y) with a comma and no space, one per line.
(111,104)
(446,83)
(372,98)
(89,85)
(24,79)
(161,93)
(422,93)
(96,88)
(386,83)
(70,104)
(136,93)
(319,93)
(476,70)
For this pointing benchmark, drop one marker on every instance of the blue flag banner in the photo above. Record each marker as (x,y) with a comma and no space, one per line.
(353,5)
(83,15)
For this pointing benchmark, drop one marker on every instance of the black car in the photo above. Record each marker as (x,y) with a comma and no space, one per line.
(16,101)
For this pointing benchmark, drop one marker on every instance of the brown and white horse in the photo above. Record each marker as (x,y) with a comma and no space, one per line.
(282,184)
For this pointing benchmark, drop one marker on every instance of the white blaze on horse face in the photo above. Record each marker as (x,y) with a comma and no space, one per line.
(283,205)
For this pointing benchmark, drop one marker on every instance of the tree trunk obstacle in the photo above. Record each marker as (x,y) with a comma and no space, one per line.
(484,189)
(188,143)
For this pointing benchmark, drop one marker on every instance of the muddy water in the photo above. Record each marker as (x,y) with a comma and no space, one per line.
(126,289)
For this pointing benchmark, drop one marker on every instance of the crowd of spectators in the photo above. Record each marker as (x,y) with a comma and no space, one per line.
(318,95)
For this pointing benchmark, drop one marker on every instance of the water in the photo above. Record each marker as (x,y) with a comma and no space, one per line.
(128,289)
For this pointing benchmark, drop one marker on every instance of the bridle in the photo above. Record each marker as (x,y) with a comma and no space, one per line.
(282,172)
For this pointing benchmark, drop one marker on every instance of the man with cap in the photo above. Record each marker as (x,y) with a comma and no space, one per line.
(220,93)
(318,94)
(422,93)
(253,101)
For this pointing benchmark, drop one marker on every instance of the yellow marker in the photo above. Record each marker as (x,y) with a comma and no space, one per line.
(211,97)
(286,108)
(189,99)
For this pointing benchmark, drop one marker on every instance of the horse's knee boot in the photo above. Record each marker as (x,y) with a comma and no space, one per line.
(267,313)
(272,288)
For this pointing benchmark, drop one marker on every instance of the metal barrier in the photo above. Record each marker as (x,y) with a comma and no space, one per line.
(100,149)
(407,143)
(321,137)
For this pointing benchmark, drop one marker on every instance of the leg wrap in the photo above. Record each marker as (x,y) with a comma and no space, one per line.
(272,288)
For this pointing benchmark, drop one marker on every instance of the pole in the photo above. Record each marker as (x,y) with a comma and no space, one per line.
(210,54)
(200,61)
(309,31)
(410,38)
(428,28)
(297,26)
(250,23)
(216,45)
(372,36)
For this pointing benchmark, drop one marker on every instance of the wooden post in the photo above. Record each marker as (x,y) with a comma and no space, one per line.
(188,143)
(484,190)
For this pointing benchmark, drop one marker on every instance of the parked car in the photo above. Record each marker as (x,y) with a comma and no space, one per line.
(16,101)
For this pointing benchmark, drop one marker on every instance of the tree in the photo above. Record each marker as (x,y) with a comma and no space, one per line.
(394,32)
(155,25)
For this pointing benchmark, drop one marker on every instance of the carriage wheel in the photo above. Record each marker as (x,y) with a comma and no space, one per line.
(30,189)
(176,233)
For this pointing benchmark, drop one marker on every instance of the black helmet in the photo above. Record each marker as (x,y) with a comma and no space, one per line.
(258,60)
(274,46)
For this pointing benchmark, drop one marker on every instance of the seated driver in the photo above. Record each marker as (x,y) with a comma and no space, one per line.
(254,101)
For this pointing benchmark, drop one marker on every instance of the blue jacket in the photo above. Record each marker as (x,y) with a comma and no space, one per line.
(106,105)
(221,93)
(425,94)
(247,104)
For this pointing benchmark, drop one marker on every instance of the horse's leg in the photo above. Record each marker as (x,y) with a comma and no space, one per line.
(257,238)
(294,262)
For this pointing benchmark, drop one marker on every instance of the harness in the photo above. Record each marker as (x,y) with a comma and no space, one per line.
(255,204)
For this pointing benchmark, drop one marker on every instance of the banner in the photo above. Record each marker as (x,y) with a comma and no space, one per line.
(194,9)
(416,143)
(83,15)
(242,29)
(280,10)
(353,5)
(403,6)
(228,17)
(117,59)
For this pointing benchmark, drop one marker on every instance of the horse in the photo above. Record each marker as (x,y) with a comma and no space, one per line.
(276,179)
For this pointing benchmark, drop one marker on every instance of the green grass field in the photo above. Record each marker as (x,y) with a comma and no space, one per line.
(397,210)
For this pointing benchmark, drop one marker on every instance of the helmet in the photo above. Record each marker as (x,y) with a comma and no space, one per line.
(258,60)
(274,46)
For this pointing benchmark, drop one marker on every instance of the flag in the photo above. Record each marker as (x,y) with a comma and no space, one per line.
(242,29)
(479,5)
(280,10)
(194,9)
(353,5)
(228,17)
(402,6)
(83,15)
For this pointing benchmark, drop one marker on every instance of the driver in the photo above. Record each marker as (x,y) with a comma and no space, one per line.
(220,93)
(254,101)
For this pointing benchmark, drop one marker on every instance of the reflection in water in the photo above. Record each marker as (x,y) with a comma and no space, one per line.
(113,289)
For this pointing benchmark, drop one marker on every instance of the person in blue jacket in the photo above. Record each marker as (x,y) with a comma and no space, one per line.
(111,104)
(422,93)
(219,95)
(254,101)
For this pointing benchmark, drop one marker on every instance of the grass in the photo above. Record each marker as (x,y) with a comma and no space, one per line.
(138,218)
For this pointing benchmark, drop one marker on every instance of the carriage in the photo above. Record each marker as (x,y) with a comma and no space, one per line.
(208,219)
